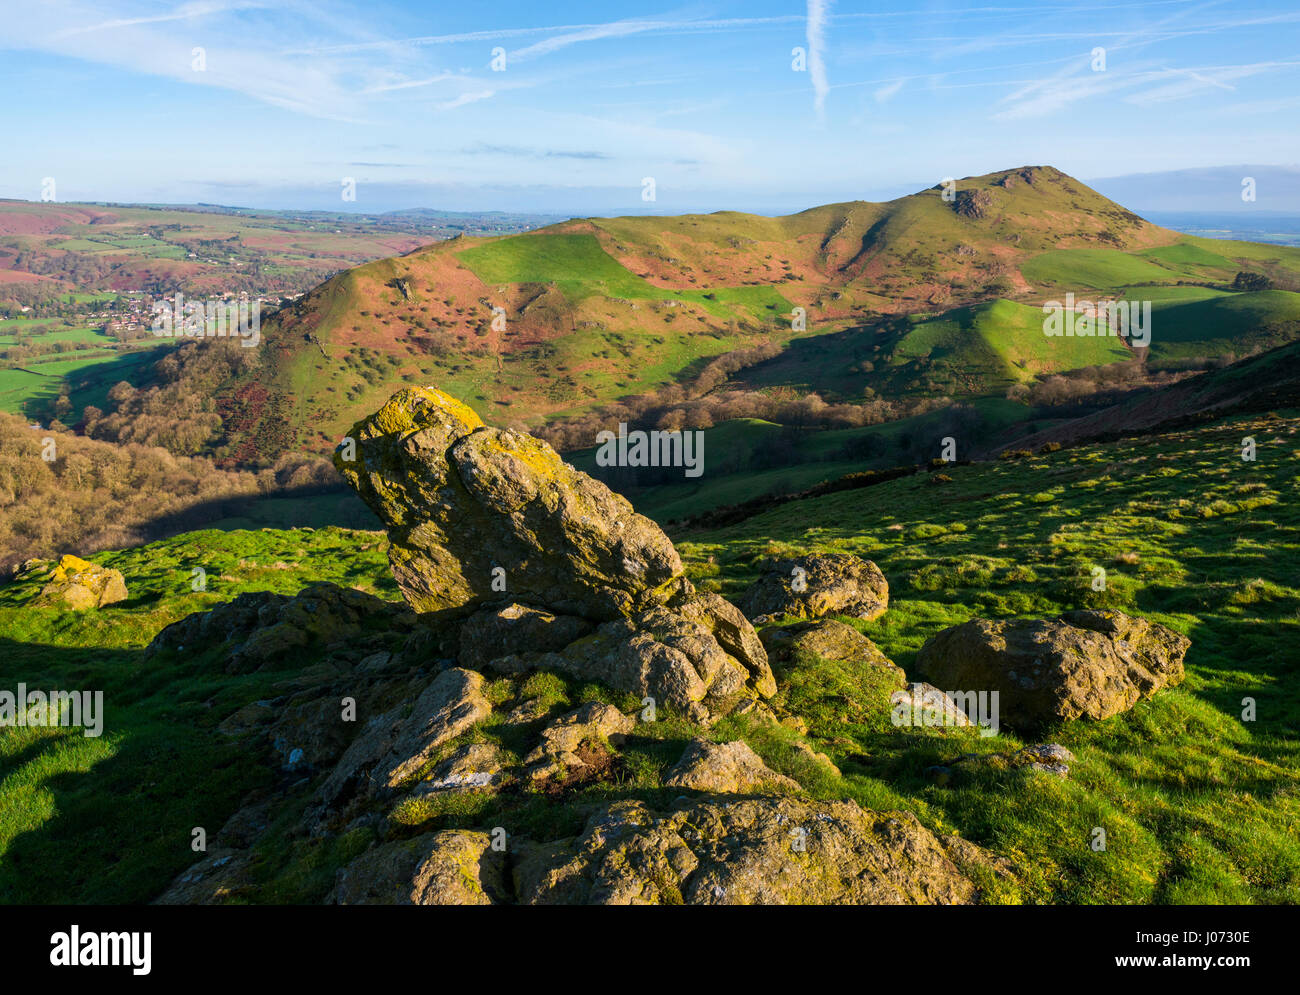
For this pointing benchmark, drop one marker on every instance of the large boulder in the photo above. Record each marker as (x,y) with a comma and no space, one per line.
(76,583)
(467,505)
(1083,664)
(493,524)
(753,851)
(817,585)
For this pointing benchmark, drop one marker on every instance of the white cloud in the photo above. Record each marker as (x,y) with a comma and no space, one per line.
(468,97)
(887,91)
(818,12)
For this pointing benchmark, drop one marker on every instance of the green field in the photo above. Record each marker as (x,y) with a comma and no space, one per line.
(575,263)
(1099,269)
(1231,324)
(91,375)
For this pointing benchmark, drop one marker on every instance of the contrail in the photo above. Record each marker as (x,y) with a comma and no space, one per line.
(818,11)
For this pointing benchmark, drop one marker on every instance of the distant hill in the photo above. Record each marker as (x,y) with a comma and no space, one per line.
(935,293)
(1267,382)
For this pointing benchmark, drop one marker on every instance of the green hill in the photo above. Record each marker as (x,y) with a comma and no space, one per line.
(925,295)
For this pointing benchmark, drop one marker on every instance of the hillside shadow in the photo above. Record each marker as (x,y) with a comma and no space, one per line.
(114,829)
(310,507)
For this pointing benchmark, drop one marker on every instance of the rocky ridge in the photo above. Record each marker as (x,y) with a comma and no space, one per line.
(527,698)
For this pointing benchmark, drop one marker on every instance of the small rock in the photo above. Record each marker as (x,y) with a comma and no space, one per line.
(592,726)
(726,768)
(80,585)
(822,584)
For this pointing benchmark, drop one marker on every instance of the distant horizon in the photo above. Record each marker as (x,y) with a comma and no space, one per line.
(1143,193)
(768,105)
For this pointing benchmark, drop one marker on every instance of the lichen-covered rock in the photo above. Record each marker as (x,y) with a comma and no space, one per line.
(830,640)
(452,867)
(921,704)
(467,505)
(822,584)
(76,584)
(726,768)
(660,654)
(393,747)
(494,632)
(733,632)
(265,631)
(755,851)
(217,878)
(473,767)
(1043,758)
(1047,758)
(1083,664)
(474,511)
(575,740)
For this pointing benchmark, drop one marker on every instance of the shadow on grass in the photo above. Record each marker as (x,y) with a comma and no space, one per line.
(121,808)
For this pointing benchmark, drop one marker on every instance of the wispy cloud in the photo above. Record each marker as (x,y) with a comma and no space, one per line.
(618,29)
(468,97)
(884,93)
(185,12)
(818,12)
(410,84)
(524,152)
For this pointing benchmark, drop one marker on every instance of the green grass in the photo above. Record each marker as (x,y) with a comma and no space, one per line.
(1098,269)
(812,457)
(91,375)
(575,263)
(978,350)
(107,819)
(1235,323)
(1198,806)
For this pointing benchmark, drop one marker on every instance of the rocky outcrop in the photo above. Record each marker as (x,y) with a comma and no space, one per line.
(822,584)
(1083,664)
(467,505)
(494,522)
(726,768)
(74,583)
(379,724)
(265,631)
(972,204)
(757,851)
(452,867)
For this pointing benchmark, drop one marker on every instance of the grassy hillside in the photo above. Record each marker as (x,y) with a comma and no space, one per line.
(1198,806)
(592,310)
(925,296)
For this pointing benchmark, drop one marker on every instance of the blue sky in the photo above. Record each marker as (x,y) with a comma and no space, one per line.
(291,98)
